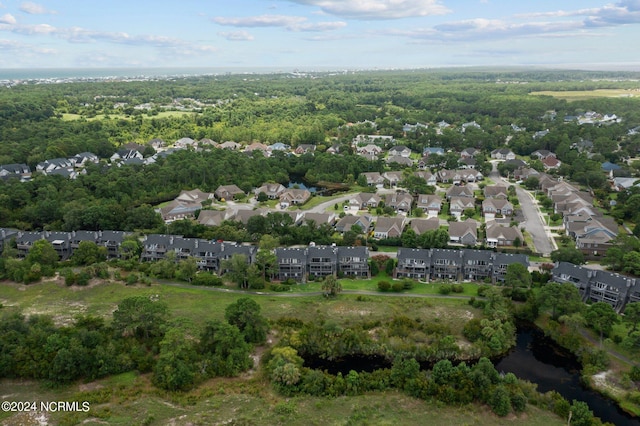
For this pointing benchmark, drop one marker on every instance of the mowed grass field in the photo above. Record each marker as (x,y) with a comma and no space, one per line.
(131,399)
(579,95)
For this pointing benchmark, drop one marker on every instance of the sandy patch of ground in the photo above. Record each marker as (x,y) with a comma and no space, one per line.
(70,309)
(440,312)
(605,383)
(351,310)
(29,418)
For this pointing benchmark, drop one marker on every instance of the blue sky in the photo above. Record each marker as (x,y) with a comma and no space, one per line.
(319,34)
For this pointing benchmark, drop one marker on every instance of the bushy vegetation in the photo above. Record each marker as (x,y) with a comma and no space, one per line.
(141,337)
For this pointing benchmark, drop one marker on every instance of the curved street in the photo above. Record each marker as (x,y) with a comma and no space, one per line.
(533,221)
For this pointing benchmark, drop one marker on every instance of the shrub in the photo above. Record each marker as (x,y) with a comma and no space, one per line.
(290,322)
(206,279)
(457,288)
(384,285)
(500,402)
(131,279)
(397,287)
(445,289)
(278,287)
(408,284)
(634,374)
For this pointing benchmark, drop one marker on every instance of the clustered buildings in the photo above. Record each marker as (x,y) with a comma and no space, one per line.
(300,264)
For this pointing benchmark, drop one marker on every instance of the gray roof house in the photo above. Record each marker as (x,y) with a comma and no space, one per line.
(428,177)
(227,192)
(457,205)
(498,235)
(465,233)
(420,226)
(347,222)
(394,178)
(388,227)
(398,159)
(272,190)
(365,200)
(292,264)
(399,202)
(496,191)
(430,204)
(373,178)
(598,286)
(447,264)
(413,263)
(294,197)
(460,191)
(478,265)
(353,261)
(322,261)
(492,207)
(503,154)
(19,171)
(400,150)
(501,262)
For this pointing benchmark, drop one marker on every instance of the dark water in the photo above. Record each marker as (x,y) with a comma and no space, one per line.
(539,360)
(359,363)
(535,358)
(301,185)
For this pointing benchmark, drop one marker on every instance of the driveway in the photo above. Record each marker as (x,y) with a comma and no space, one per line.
(533,221)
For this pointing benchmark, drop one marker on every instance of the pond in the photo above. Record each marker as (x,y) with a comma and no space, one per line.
(300,185)
(538,359)
(535,358)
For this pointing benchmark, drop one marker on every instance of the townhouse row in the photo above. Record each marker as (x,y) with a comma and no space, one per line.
(299,264)
(599,286)
(455,265)
(208,254)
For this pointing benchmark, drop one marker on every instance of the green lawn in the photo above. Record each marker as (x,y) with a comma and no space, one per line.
(314,201)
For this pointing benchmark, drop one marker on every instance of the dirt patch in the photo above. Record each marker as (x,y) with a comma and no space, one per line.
(449,313)
(94,282)
(604,381)
(70,310)
(350,310)
(31,418)
(88,387)
(257,354)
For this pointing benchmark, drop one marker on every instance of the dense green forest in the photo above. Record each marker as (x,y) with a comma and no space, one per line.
(325,110)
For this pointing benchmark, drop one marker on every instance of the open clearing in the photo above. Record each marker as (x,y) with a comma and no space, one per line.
(163,114)
(579,95)
(130,398)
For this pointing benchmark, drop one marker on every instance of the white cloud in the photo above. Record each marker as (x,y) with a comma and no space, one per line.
(261,21)
(236,35)
(378,9)
(484,29)
(291,23)
(7,18)
(24,48)
(83,35)
(320,26)
(35,9)
(621,13)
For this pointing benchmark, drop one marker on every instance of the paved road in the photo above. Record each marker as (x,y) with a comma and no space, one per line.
(533,223)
